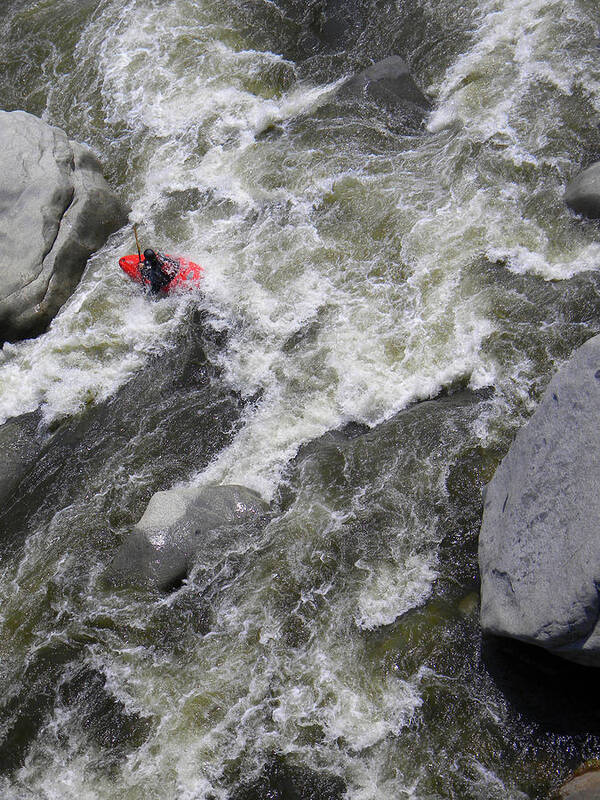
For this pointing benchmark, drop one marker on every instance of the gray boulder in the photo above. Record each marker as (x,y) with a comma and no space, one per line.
(177,525)
(56,209)
(384,94)
(539,549)
(390,84)
(583,192)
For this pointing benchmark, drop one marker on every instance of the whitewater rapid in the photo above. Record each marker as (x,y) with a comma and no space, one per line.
(354,270)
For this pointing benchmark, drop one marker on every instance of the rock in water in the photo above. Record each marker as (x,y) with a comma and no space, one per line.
(539,549)
(583,192)
(584,785)
(385,91)
(176,525)
(56,209)
(390,84)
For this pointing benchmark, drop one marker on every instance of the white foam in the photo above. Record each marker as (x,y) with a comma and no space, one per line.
(393,589)
(100,337)
(518,45)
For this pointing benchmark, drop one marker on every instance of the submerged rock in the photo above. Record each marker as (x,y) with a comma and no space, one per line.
(390,84)
(56,209)
(176,525)
(384,92)
(583,192)
(101,718)
(539,551)
(25,708)
(335,23)
(57,679)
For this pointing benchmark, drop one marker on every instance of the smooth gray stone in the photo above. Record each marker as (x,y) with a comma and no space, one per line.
(176,525)
(389,83)
(583,192)
(539,547)
(56,209)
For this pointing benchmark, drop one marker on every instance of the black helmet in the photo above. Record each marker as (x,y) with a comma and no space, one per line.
(149,255)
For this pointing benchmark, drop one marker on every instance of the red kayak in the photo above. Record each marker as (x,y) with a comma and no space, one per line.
(187,275)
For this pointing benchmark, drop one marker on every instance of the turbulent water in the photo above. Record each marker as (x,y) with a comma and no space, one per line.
(352,268)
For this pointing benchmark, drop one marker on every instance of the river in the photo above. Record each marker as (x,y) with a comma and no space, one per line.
(354,270)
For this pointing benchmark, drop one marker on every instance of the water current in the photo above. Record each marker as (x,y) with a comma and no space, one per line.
(382,307)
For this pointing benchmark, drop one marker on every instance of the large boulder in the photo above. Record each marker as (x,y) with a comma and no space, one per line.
(539,550)
(56,209)
(176,525)
(583,192)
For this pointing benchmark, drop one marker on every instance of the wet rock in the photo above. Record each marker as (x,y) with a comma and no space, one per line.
(384,94)
(583,192)
(20,443)
(390,84)
(539,552)
(176,525)
(582,786)
(56,209)
(332,39)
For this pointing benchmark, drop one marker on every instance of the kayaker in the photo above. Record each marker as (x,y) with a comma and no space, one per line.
(156,270)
